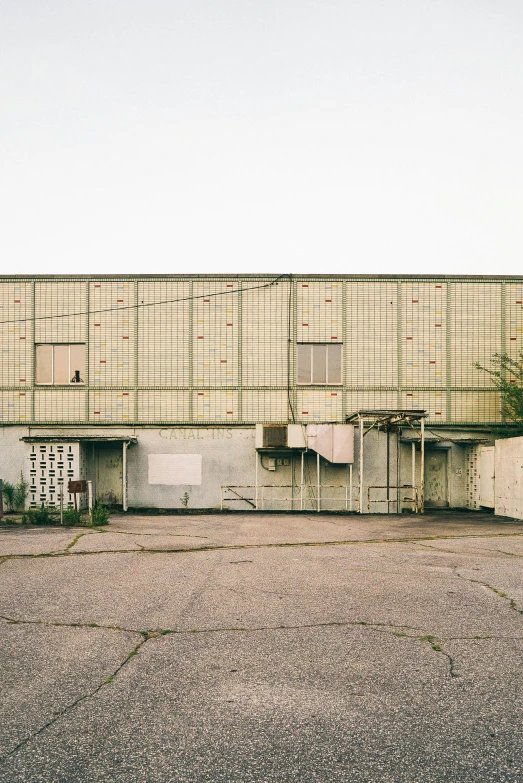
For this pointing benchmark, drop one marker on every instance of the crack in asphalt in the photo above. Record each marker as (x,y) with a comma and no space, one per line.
(60,713)
(233,547)
(75,539)
(467,554)
(501,593)
(399,631)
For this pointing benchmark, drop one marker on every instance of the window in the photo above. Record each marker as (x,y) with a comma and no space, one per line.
(319,363)
(60,365)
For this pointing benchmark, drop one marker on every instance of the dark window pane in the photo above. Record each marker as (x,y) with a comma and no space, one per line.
(304,363)
(334,363)
(44,363)
(319,364)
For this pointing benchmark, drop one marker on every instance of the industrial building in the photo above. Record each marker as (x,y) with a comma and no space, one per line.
(254,391)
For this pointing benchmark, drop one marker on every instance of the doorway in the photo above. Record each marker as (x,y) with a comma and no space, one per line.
(436,478)
(108,473)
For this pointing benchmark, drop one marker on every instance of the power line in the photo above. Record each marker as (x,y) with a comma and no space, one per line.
(143,304)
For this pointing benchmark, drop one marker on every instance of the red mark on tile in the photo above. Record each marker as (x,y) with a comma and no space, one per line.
(415,301)
(125,337)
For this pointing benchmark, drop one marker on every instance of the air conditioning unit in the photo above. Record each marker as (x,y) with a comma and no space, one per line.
(280,436)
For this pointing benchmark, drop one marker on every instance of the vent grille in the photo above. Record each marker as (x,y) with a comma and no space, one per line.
(275,436)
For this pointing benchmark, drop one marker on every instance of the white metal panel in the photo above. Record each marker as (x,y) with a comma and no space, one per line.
(335,442)
(486,476)
(509,477)
(296,436)
(175,469)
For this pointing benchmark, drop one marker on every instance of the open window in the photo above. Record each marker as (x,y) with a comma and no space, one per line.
(319,363)
(60,365)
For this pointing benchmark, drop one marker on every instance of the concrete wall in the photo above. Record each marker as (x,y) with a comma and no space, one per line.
(509,478)
(228,457)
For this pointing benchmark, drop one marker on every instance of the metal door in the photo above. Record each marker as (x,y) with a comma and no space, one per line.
(436,481)
(108,473)
(486,476)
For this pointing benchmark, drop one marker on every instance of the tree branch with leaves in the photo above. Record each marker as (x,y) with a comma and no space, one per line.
(506,374)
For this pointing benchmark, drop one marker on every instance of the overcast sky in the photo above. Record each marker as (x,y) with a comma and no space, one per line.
(343,136)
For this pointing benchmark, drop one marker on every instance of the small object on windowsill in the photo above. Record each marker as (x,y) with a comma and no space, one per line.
(76,377)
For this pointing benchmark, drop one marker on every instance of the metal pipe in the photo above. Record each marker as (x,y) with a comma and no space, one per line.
(413,472)
(318,478)
(421,503)
(350,487)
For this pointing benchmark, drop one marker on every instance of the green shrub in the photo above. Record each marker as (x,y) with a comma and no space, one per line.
(71,517)
(20,494)
(40,516)
(99,516)
(9,495)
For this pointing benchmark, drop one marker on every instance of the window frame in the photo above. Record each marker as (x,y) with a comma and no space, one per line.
(327,381)
(52,381)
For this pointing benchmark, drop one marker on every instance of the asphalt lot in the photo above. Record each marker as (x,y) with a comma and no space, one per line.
(264,648)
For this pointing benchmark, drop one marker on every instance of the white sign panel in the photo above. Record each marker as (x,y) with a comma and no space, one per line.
(175,469)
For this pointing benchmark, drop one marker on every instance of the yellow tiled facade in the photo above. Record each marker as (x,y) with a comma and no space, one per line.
(219,349)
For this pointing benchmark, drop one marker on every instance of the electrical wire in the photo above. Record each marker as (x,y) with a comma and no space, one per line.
(144,304)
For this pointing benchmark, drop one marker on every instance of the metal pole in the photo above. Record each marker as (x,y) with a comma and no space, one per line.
(360,503)
(398,471)
(350,487)
(256,479)
(388,470)
(90,496)
(62,505)
(318,477)
(302,479)
(1,498)
(422,469)
(124,476)
(413,474)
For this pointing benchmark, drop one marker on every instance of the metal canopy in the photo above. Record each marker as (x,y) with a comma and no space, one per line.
(78,438)
(387,419)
